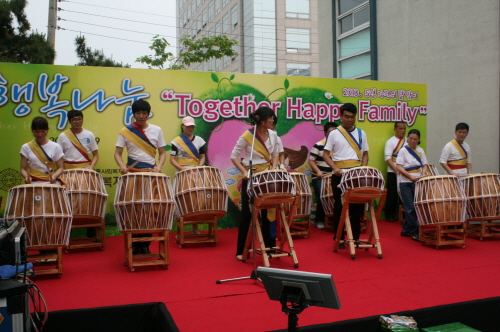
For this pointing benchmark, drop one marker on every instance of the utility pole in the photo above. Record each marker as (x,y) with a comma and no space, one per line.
(51,29)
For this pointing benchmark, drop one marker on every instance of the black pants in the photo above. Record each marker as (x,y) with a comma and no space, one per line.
(392,198)
(246,218)
(355,210)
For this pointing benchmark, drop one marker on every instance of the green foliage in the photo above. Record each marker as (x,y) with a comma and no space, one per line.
(16,43)
(89,57)
(196,51)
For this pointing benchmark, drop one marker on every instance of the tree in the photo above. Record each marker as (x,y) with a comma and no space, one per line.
(95,57)
(17,44)
(196,51)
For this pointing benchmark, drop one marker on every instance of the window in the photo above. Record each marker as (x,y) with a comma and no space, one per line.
(210,11)
(353,39)
(217,7)
(205,17)
(355,19)
(297,8)
(224,3)
(297,41)
(225,24)
(298,69)
(234,16)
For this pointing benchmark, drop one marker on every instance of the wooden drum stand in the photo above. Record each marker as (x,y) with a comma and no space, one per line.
(263,202)
(203,217)
(161,258)
(485,228)
(359,196)
(94,222)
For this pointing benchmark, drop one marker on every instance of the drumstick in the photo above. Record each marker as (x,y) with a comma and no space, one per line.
(132,166)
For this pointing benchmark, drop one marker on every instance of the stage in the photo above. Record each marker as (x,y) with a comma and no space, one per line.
(409,276)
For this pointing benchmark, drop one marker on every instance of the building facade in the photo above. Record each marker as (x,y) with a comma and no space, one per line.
(453,46)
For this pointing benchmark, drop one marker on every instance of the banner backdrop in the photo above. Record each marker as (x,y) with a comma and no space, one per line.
(219,102)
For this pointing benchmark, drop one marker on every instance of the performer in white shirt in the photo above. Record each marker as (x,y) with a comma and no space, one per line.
(78,144)
(41,159)
(410,164)
(142,140)
(349,148)
(456,155)
(265,156)
(319,168)
(188,150)
(392,148)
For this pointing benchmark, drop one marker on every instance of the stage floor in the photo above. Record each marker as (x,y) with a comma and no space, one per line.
(409,276)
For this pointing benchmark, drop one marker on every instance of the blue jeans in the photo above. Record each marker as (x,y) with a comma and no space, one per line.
(407,192)
(320,211)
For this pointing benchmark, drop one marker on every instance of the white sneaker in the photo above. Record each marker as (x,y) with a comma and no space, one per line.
(320,225)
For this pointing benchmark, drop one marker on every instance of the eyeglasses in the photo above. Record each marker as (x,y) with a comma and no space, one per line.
(76,120)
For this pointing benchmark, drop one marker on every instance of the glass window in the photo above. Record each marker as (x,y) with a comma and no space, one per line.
(218,28)
(346,5)
(210,11)
(355,66)
(224,3)
(355,43)
(205,17)
(362,16)
(297,40)
(297,8)
(236,48)
(234,16)
(298,69)
(217,7)
(225,23)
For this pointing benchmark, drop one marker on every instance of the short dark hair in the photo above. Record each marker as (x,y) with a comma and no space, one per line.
(461,126)
(398,122)
(275,118)
(349,108)
(262,114)
(141,105)
(329,125)
(415,131)
(73,113)
(39,123)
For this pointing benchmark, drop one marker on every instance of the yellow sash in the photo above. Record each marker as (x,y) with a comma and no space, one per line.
(348,163)
(259,146)
(396,150)
(139,142)
(35,173)
(193,160)
(460,162)
(351,141)
(76,165)
(33,145)
(323,142)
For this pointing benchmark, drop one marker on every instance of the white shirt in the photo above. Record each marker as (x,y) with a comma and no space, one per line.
(390,145)
(340,147)
(450,153)
(406,160)
(86,138)
(280,146)
(155,136)
(53,150)
(257,159)
(198,143)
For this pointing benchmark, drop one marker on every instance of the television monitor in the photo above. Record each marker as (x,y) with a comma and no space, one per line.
(13,242)
(318,289)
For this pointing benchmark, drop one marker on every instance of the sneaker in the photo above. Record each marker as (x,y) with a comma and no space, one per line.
(320,225)
(239,257)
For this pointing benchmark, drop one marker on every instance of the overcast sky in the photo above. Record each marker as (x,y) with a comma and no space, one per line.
(123,29)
